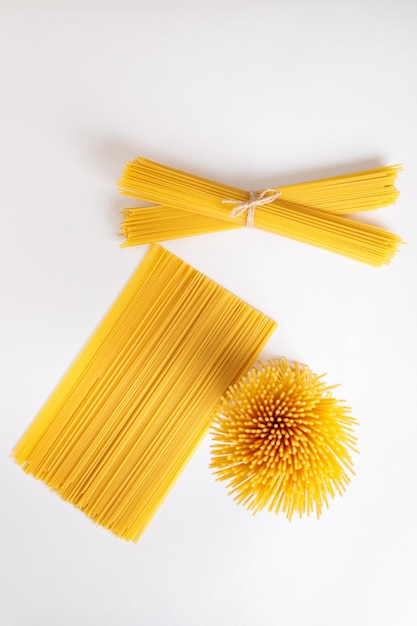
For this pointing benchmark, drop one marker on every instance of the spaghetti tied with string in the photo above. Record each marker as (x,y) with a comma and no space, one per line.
(313,212)
(256,198)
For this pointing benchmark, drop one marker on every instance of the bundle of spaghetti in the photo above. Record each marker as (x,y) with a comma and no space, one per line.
(125,419)
(310,212)
(153,224)
(282,441)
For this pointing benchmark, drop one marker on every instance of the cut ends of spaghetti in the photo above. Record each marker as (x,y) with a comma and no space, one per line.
(282,441)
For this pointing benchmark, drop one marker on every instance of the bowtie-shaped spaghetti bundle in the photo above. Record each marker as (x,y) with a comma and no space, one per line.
(311,212)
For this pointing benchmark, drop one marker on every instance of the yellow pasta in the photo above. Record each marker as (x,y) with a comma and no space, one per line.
(310,212)
(125,419)
(153,224)
(282,441)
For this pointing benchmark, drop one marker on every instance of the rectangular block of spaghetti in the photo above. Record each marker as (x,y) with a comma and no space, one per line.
(131,410)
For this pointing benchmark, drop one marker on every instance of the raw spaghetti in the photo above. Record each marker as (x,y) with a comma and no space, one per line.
(310,212)
(125,419)
(282,441)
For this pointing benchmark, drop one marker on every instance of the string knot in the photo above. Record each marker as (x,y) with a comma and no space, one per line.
(256,198)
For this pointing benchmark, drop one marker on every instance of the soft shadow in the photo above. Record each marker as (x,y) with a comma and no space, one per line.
(110,156)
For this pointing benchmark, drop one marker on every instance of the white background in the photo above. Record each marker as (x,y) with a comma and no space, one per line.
(253,94)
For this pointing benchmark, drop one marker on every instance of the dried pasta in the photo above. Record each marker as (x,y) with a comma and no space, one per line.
(310,212)
(125,419)
(153,224)
(282,441)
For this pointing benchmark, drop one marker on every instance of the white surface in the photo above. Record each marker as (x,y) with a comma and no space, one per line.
(253,94)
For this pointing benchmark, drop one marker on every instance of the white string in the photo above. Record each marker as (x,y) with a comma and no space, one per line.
(256,198)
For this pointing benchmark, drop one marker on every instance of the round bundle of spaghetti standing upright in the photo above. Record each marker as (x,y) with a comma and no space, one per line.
(282,441)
